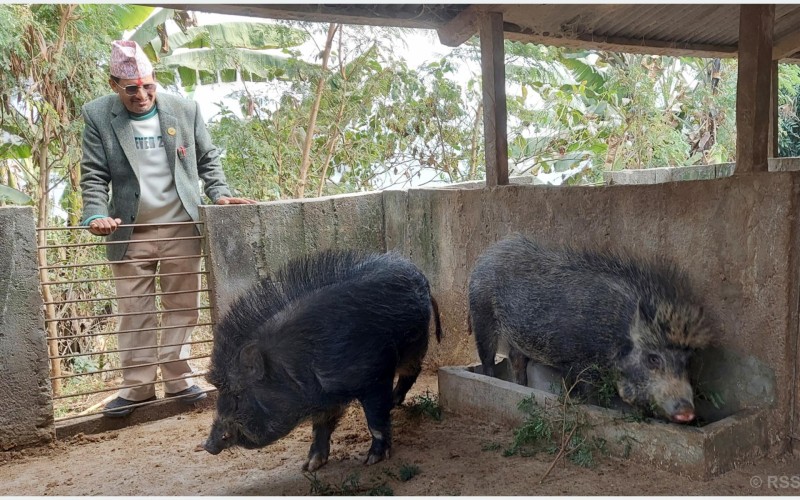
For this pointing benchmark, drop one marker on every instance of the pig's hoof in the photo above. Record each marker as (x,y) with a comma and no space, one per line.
(314,463)
(373,457)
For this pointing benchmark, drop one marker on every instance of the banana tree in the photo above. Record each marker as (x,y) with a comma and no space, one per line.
(559,117)
(616,110)
(221,53)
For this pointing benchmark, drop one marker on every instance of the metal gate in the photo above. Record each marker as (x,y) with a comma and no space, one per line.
(81,319)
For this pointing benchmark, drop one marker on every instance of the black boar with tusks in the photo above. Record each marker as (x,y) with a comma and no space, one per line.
(326,329)
(575,309)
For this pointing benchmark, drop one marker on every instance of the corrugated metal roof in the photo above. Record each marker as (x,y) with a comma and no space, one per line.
(709,30)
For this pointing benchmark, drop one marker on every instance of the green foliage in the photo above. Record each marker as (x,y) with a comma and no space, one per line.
(599,385)
(237,35)
(350,486)
(582,456)
(426,404)
(536,432)
(408,471)
(610,111)
(557,430)
(53,64)
(788,105)
(79,385)
(47,53)
(572,114)
(712,396)
(131,16)
(223,52)
(379,123)
(225,65)
(148,31)
(12,147)
(13,196)
(491,446)
(84,364)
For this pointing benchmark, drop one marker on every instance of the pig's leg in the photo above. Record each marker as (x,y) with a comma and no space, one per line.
(323,425)
(519,366)
(377,405)
(404,383)
(486,331)
(409,369)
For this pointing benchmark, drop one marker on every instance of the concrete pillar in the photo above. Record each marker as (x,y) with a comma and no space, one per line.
(26,401)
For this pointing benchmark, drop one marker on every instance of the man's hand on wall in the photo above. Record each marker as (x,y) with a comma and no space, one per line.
(235,201)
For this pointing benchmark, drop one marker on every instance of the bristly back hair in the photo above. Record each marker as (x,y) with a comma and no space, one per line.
(672,309)
(298,277)
(684,326)
(667,324)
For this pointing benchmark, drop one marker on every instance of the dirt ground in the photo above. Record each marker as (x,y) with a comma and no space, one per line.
(454,456)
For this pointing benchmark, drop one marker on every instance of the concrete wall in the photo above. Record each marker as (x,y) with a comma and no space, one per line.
(660,175)
(736,238)
(247,242)
(26,403)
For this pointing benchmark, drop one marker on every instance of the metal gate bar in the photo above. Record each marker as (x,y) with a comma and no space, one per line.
(101,243)
(129,349)
(87,335)
(115,278)
(135,405)
(100,299)
(68,347)
(130,261)
(128,386)
(108,370)
(142,313)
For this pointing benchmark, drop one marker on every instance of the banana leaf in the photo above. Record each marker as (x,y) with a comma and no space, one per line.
(11,195)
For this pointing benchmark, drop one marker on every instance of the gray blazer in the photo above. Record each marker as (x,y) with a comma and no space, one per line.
(108,152)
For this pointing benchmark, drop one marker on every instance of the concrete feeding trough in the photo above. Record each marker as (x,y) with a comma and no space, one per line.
(697,451)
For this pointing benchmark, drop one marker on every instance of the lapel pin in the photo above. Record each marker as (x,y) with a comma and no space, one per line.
(171,131)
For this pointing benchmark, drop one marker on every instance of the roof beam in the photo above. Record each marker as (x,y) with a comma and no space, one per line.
(786,46)
(461,28)
(621,44)
(360,14)
(493,75)
(756,23)
(773,111)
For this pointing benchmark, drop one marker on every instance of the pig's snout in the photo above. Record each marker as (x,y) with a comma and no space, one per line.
(682,411)
(216,442)
(683,418)
(212,447)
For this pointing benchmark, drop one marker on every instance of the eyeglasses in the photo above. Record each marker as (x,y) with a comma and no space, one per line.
(134,89)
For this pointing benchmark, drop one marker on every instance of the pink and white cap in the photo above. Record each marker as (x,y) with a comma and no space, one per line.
(128,61)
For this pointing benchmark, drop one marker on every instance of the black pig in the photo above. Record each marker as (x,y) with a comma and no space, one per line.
(327,329)
(573,309)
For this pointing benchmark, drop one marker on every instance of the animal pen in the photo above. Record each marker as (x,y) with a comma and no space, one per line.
(734,233)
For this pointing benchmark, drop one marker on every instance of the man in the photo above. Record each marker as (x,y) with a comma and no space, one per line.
(152,151)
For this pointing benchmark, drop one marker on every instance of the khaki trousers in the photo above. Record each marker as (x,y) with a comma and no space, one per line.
(140,280)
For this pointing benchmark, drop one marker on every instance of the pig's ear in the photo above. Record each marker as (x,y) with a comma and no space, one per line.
(251,361)
(638,326)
